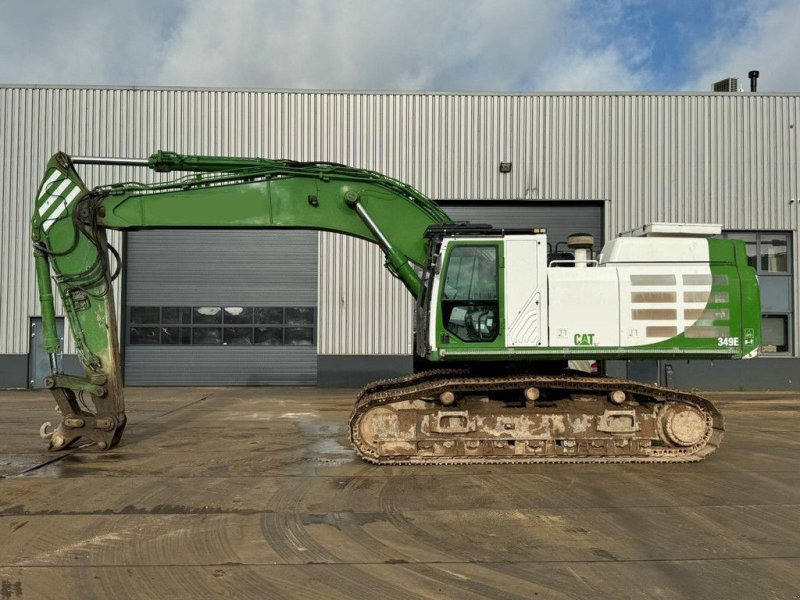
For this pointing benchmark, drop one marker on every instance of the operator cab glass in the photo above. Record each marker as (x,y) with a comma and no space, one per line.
(470,307)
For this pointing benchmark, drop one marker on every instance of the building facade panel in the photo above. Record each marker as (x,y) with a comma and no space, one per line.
(727,158)
(362,308)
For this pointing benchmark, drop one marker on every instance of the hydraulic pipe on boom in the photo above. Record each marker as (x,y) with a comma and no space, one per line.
(68,231)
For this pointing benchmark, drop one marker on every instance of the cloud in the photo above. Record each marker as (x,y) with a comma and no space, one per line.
(478,45)
(83,41)
(405,45)
(758,35)
(359,44)
(471,45)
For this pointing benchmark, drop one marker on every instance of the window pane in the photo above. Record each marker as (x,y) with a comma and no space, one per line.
(269,336)
(774,333)
(239,314)
(299,315)
(176,335)
(269,315)
(238,336)
(145,314)
(469,302)
(299,336)
(473,322)
(207,315)
(144,335)
(176,315)
(206,335)
(472,274)
(774,252)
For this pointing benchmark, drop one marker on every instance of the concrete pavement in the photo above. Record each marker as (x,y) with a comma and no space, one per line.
(255,493)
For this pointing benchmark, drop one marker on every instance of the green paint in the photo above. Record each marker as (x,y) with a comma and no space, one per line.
(584,339)
(222,193)
(274,195)
(450,344)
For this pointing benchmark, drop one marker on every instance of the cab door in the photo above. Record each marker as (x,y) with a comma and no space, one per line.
(470,314)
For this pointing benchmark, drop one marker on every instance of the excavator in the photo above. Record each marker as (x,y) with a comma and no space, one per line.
(498,314)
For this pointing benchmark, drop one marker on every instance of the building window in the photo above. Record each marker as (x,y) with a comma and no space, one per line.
(222,325)
(769,253)
(766,252)
(774,333)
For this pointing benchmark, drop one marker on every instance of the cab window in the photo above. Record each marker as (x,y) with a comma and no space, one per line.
(470,307)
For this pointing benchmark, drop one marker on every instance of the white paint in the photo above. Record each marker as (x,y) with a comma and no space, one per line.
(580,308)
(674,229)
(584,302)
(54,197)
(655,250)
(434,310)
(581,257)
(59,211)
(634,332)
(50,179)
(525,290)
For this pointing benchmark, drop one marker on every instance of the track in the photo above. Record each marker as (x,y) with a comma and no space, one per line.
(530,419)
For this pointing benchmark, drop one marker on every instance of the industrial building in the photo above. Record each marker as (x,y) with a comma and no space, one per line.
(222,307)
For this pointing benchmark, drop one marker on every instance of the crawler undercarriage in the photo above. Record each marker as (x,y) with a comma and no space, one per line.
(452,417)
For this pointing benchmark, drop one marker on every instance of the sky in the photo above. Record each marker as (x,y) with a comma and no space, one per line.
(403,45)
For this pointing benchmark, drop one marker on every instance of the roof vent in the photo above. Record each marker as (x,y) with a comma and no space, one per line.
(753,75)
(674,230)
(731,84)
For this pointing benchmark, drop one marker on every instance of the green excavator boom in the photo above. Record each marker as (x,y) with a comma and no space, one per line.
(70,246)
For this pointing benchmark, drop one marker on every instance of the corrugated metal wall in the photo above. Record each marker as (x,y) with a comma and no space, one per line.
(362,308)
(560,220)
(729,158)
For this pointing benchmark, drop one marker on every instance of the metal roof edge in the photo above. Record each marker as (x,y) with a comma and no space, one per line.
(343,92)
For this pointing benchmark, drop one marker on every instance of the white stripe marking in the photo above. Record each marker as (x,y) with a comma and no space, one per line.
(53,176)
(58,211)
(55,197)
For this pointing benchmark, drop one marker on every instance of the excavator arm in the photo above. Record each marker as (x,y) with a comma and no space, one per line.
(70,248)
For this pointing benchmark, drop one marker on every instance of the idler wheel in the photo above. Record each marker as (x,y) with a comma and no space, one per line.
(684,426)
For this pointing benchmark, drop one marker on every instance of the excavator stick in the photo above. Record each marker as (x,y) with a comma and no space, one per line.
(70,249)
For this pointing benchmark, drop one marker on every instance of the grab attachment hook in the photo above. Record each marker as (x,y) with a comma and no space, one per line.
(43,431)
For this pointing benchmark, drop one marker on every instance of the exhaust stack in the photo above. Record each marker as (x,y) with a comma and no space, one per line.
(753,75)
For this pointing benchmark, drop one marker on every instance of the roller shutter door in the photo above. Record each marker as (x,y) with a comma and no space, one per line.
(221,307)
(560,219)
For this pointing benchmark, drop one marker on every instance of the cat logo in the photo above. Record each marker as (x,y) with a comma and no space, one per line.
(584,339)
